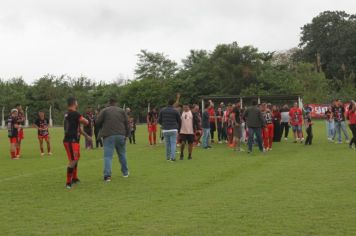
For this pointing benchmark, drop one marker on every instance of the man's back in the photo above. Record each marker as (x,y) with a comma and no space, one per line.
(169,118)
(113,121)
(253,117)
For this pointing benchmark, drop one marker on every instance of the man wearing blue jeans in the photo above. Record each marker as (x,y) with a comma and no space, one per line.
(255,122)
(169,119)
(340,124)
(114,129)
(206,127)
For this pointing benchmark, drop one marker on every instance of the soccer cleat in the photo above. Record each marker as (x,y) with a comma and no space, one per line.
(107,179)
(75,181)
(68,186)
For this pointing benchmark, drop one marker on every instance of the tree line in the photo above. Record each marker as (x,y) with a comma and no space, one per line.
(322,68)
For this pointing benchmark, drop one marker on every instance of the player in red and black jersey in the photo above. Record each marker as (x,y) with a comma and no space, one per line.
(268,129)
(12,130)
(42,124)
(21,123)
(152,120)
(72,132)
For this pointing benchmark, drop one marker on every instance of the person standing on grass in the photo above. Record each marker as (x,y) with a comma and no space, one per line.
(212,120)
(330,123)
(132,126)
(340,124)
(98,141)
(296,121)
(198,132)
(219,121)
(114,129)
(187,130)
(267,131)
(309,128)
(88,129)
(21,135)
(255,122)
(152,118)
(170,120)
(351,116)
(276,124)
(71,141)
(237,127)
(42,124)
(206,127)
(285,122)
(12,131)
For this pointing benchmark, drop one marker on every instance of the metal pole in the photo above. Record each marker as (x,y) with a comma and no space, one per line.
(50,117)
(202,105)
(241,102)
(26,118)
(259,101)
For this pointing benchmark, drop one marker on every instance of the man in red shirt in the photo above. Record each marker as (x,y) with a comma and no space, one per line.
(71,141)
(212,120)
(351,116)
(296,121)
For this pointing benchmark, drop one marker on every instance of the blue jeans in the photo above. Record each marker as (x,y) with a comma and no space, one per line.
(251,133)
(118,143)
(170,138)
(340,126)
(206,137)
(330,128)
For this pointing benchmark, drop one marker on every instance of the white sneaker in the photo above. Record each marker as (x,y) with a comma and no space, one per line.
(50,154)
(42,154)
(127,175)
(285,139)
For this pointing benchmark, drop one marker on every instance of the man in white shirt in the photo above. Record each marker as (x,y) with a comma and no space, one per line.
(189,124)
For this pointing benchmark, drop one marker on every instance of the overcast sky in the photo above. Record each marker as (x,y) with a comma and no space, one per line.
(100,38)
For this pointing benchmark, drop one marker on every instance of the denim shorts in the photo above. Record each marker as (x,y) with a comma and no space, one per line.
(297,128)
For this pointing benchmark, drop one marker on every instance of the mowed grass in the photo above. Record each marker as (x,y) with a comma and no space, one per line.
(293,190)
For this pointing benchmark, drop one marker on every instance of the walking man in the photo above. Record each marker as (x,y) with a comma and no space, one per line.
(255,122)
(187,130)
(114,129)
(170,121)
(206,127)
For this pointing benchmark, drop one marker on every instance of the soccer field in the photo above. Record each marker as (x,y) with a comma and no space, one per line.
(293,190)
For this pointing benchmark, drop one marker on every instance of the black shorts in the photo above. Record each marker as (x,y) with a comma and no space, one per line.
(184,138)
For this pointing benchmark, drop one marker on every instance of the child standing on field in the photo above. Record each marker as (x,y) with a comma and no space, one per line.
(132,126)
(308,124)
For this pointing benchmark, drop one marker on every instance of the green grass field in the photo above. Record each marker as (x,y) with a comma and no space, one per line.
(293,190)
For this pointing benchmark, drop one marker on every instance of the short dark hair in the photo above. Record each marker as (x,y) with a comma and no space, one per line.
(206,106)
(254,103)
(17,105)
(112,101)
(71,101)
(171,102)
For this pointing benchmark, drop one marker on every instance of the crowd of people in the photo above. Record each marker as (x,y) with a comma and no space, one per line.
(180,126)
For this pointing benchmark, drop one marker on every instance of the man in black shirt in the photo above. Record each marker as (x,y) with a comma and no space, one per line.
(41,124)
(71,141)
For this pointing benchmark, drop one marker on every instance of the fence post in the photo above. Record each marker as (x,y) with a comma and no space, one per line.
(50,117)
(26,118)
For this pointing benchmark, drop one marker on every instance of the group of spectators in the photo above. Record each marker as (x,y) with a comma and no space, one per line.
(260,124)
